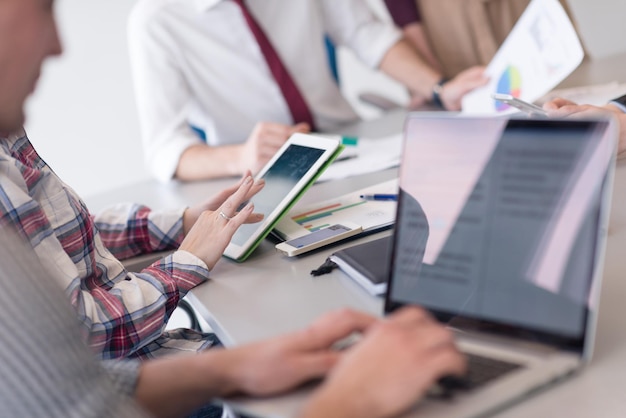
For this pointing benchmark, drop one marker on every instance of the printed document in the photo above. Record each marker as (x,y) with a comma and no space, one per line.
(541,50)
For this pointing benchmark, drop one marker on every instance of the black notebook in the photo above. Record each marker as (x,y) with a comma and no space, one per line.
(367,264)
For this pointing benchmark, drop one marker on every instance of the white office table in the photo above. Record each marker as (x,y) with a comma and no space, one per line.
(270,294)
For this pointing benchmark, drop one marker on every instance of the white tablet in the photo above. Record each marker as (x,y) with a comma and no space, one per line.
(287,175)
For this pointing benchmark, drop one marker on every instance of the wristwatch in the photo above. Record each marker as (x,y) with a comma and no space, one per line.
(437,89)
(620,102)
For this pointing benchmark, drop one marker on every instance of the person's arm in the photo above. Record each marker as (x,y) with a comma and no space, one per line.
(405,14)
(388,371)
(49,346)
(200,161)
(124,311)
(120,311)
(162,95)
(128,229)
(381,45)
(48,371)
(565,108)
(416,35)
(259,369)
(402,63)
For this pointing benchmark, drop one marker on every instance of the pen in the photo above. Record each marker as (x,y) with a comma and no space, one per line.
(379,196)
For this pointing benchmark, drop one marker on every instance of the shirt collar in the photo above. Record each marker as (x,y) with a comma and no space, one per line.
(204,5)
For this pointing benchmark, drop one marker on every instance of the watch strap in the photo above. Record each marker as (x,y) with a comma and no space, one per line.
(437,89)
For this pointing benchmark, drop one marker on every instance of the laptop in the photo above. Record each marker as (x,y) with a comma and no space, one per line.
(500,233)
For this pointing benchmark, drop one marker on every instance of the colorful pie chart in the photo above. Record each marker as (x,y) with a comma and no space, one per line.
(510,82)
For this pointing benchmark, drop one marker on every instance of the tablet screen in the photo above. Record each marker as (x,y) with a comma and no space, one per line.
(280,180)
(287,175)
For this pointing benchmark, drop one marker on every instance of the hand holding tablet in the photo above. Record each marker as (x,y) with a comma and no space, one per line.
(210,226)
(287,175)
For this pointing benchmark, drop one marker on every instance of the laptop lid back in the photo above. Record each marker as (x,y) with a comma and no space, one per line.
(501,224)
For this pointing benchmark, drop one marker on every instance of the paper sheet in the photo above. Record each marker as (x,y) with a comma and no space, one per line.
(368,214)
(370,154)
(541,50)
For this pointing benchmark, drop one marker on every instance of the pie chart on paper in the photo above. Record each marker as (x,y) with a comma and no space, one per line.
(510,82)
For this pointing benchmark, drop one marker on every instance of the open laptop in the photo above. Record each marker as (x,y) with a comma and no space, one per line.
(500,233)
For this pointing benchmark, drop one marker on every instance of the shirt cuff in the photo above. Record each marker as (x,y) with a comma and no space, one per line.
(124,375)
(618,105)
(188,269)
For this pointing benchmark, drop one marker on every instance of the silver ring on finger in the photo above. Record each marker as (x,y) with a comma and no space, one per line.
(223,215)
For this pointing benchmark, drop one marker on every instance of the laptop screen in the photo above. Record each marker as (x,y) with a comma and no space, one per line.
(500,222)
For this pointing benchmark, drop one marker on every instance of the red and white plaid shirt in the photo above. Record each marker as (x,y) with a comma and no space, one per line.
(122,313)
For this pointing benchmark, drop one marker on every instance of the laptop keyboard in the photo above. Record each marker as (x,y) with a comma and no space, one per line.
(480,370)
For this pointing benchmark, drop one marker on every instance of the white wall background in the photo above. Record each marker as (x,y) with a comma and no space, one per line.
(601,25)
(83,119)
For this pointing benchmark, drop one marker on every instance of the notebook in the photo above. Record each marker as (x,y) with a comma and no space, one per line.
(367,264)
(500,233)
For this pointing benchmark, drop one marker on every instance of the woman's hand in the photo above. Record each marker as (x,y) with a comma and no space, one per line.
(192,214)
(213,229)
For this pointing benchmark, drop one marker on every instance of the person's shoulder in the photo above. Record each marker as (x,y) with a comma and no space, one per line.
(145,11)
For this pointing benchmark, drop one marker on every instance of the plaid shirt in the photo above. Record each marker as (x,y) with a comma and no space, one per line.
(122,313)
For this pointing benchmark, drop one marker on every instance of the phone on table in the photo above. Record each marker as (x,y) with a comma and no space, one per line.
(531,109)
(318,239)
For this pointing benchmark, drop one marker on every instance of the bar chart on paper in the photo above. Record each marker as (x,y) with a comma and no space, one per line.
(371,215)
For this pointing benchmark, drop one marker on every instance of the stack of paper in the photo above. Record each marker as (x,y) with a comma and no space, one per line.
(371,215)
(369,155)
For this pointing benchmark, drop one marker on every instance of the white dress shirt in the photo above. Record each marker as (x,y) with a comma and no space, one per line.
(197,62)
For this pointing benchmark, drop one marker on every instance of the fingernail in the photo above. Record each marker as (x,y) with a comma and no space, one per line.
(248,180)
(260,181)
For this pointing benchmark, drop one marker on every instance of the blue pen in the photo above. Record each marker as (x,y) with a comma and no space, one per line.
(379,196)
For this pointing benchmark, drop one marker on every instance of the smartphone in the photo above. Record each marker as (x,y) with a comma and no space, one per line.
(319,238)
(526,107)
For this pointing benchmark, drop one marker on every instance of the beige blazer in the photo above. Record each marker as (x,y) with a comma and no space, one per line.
(463,33)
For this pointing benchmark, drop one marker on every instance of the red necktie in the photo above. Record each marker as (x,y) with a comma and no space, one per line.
(297,105)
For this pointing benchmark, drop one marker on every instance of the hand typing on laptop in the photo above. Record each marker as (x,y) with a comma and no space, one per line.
(392,366)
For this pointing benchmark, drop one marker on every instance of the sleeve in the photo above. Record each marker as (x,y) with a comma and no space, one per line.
(128,229)
(120,311)
(47,369)
(351,23)
(403,12)
(162,94)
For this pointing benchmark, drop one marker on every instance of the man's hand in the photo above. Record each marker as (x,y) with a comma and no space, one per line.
(453,91)
(265,140)
(561,108)
(212,231)
(282,363)
(391,368)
